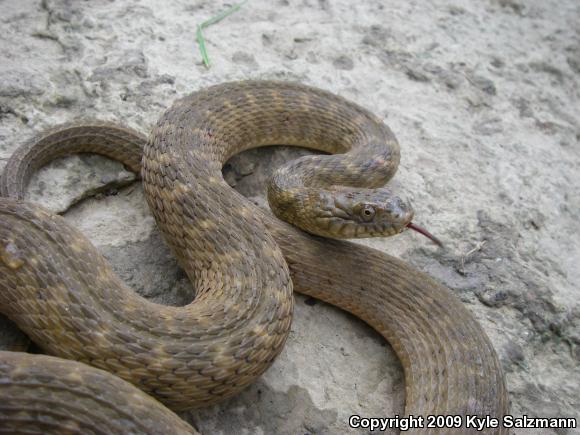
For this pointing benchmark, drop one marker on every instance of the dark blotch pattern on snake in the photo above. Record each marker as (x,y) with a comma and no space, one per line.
(242,261)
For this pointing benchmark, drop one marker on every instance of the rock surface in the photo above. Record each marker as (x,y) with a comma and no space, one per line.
(483,97)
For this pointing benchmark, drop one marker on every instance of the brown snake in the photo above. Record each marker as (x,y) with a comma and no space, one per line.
(242,261)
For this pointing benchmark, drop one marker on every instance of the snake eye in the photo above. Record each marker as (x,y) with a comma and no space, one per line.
(367,213)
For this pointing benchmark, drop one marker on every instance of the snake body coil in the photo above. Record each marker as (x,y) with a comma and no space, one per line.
(241,261)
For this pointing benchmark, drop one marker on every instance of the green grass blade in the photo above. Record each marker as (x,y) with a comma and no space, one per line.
(222,15)
(213,20)
(202,48)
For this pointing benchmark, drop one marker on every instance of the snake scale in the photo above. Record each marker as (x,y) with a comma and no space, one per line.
(242,261)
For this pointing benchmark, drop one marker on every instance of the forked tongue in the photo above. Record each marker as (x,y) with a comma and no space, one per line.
(425,233)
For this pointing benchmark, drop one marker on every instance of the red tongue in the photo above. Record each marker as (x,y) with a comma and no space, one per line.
(425,233)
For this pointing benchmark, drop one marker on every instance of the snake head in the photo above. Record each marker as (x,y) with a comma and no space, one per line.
(345,213)
(360,213)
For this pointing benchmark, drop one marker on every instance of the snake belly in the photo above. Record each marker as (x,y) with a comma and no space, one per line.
(242,262)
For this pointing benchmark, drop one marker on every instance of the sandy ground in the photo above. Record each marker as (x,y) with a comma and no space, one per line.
(484,98)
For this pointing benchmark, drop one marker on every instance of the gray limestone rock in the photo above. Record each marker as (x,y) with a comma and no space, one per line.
(484,99)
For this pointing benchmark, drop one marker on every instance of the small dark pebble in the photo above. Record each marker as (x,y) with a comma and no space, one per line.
(514,354)
(310,302)
(484,84)
(492,298)
(417,75)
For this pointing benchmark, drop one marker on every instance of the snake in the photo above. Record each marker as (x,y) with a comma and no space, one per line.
(244,263)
